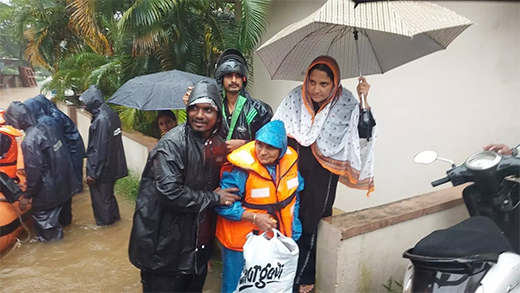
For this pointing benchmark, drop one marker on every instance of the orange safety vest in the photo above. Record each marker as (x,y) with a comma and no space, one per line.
(8,163)
(262,195)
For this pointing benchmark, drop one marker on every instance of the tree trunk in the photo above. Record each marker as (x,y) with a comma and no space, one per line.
(238,10)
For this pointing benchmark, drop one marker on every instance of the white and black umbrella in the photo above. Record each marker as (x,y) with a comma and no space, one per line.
(372,38)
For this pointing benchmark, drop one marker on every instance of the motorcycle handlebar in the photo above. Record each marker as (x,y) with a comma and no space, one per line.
(440,181)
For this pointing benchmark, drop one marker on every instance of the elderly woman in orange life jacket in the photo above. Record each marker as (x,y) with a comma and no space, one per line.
(334,138)
(266,173)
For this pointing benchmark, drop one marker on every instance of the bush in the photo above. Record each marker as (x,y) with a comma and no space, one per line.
(128,186)
(10,71)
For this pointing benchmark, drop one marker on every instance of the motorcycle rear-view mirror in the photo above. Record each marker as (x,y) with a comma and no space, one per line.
(426,157)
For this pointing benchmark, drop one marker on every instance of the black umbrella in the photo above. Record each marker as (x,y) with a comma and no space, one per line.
(158,91)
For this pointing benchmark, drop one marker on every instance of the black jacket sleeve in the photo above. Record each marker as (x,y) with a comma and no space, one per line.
(172,191)
(33,165)
(264,115)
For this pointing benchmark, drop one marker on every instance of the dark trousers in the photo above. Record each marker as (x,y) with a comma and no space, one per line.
(65,217)
(47,225)
(306,272)
(154,282)
(104,203)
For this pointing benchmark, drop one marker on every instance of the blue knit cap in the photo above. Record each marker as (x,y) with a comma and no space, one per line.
(273,134)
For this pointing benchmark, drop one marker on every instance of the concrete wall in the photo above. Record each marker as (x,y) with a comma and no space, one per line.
(364,262)
(63,108)
(83,124)
(136,153)
(453,101)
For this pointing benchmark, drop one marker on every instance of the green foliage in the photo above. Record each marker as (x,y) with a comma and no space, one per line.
(77,72)
(142,121)
(45,26)
(11,35)
(189,35)
(106,42)
(129,185)
(8,70)
(253,24)
(392,286)
(181,115)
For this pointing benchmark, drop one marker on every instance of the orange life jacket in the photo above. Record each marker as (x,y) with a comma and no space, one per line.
(262,195)
(8,163)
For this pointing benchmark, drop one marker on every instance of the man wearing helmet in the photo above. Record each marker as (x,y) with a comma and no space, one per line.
(243,116)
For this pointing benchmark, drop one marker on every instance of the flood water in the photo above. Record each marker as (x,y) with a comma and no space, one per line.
(88,259)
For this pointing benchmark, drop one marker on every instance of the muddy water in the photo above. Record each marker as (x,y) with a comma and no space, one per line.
(16,94)
(88,259)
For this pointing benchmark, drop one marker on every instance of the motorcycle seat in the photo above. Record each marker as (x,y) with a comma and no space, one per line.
(468,239)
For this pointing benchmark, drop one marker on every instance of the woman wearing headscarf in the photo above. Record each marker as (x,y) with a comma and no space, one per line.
(334,142)
(166,120)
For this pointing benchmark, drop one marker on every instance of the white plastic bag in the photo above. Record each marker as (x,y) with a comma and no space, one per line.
(269,263)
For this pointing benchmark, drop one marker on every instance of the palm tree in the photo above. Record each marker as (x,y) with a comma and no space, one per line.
(189,35)
(108,42)
(90,19)
(77,72)
(46,29)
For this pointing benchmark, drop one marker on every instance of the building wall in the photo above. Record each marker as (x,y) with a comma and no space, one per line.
(365,262)
(136,153)
(83,124)
(453,101)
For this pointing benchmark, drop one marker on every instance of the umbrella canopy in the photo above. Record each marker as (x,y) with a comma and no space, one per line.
(158,91)
(387,33)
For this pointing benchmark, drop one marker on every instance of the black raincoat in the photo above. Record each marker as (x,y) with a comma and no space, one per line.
(70,132)
(106,160)
(49,173)
(41,117)
(243,129)
(174,222)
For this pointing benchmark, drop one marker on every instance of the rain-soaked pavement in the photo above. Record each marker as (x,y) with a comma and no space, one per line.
(88,259)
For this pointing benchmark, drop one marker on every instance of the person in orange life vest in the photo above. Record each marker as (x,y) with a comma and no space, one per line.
(266,173)
(8,149)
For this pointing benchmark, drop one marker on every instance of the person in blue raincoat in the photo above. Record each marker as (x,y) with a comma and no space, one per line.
(48,170)
(37,110)
(72,137)
(266,173)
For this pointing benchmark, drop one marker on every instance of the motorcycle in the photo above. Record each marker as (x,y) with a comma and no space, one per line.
(479,254)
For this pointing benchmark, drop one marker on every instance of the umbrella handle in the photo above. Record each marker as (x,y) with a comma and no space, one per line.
(356,37)
(364,110)
(362,101)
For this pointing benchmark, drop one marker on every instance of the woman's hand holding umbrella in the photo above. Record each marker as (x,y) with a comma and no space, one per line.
(362,89)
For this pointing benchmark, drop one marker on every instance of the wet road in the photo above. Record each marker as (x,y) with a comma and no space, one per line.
(88,259)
